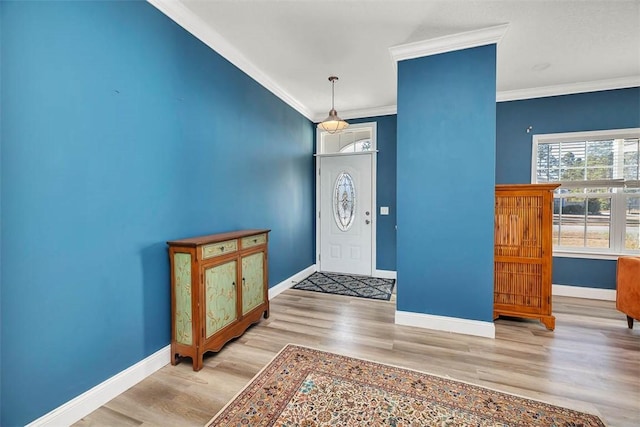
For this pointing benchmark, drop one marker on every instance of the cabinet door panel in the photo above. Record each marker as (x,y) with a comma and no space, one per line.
(252,281)
(220,296)
(182,293)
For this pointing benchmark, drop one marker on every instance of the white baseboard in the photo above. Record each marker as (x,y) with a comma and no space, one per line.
(92,399)
(385,274)
(287,283)
(582,292)
(448,324)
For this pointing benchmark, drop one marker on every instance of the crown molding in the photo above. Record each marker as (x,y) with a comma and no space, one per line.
(387,110)
(568,89)
(512,95)
(182,16)
(468,39)
(360,113)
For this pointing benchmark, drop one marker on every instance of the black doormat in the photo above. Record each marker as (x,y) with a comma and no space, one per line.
(353,286)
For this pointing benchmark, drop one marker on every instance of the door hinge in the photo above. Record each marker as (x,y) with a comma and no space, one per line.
(318,171)
(318,257)
(318,214)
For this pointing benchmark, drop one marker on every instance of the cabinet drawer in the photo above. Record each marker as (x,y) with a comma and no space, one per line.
(220,248)
(258,239)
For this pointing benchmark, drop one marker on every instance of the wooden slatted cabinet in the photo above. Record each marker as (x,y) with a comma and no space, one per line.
(523,251)
(219,287)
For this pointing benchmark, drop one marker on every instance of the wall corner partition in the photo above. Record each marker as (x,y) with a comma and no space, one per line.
(446,128)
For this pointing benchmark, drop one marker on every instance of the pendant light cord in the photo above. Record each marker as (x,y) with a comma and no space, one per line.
(333,79)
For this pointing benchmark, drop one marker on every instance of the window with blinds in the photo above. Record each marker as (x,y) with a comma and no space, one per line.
(597,206)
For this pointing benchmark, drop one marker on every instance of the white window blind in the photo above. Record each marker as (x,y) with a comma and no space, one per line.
(589,163)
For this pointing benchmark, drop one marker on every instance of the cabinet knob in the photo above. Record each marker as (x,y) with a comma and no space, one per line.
(221,248)
(233,284)
(255,240)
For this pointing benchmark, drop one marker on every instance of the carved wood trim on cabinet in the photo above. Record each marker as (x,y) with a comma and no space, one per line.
(523,251)
(208,285)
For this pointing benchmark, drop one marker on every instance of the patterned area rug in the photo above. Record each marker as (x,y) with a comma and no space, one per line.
(353,286)
(306,387)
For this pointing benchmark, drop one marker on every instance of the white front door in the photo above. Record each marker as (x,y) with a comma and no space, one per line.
(346,213)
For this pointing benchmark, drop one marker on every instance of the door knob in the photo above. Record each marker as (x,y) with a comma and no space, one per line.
(367,213)
(367,221)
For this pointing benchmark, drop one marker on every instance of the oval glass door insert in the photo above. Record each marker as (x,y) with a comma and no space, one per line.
(344,201)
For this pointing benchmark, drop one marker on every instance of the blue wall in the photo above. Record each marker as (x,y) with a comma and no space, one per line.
(1,9)
(386,192)
(121,131)
(445,195)
(568,113)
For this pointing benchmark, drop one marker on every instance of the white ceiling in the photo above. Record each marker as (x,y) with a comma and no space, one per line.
(291,47)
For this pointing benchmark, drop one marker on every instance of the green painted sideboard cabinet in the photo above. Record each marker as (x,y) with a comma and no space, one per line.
(219,287)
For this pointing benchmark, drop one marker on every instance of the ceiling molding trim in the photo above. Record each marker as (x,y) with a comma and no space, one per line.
(568,89)
(468,39)
(510,95)
(361,113)
(182,16)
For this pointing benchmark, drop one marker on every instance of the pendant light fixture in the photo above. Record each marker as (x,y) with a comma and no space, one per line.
(333,123)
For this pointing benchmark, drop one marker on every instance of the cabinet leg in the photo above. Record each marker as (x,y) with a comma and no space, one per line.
(549,322)
(174,357)
(197,362)
(266,314)
(630,322)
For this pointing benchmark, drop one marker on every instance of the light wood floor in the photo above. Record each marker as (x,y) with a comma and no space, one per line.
(591,362)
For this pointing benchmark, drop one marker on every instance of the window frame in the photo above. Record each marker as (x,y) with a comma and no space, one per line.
(618,198)
(357,128)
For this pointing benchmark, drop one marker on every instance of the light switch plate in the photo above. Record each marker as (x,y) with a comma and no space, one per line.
(384,210)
